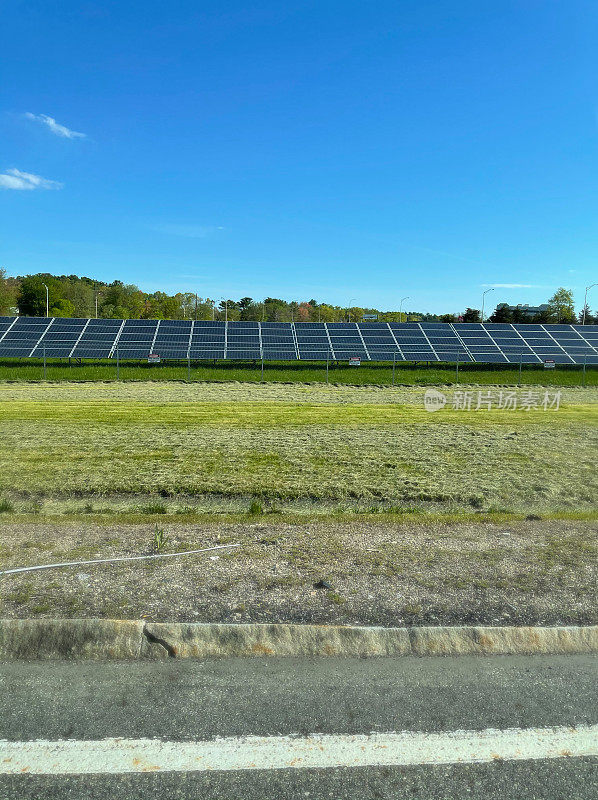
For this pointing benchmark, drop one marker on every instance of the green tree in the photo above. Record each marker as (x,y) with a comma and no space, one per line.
(31,298)
(8,294)
(561,307)
(589,318)
(62,308)
(471,315)
(502,313)
(81,294)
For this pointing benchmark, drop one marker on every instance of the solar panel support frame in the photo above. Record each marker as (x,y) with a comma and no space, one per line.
(295,341)
(558,344)
(116,340)
(525,344)
(189,344)
(329,341)
(9,327)
(495,343)
(433,349)
(155,334)
(79,337)
(395,341)
(367,352)
(41,337)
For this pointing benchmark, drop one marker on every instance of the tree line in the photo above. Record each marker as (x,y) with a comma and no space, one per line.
(74,296)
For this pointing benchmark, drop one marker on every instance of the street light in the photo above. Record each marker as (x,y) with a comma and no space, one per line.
(585,302)
(484,297)
(47,301)
(349,308)
(401,308)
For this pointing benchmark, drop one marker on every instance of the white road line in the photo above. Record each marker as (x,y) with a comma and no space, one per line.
(116,756)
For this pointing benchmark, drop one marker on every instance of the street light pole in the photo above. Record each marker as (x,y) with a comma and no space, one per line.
(484,298)
(47,301)
(349,309)
(401,308)
(585,302)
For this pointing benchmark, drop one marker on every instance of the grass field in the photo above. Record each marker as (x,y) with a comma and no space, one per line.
(156,449)
(418,518)
(292,372)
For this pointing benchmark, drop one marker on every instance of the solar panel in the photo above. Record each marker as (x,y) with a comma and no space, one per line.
(272,354)
(199,353)
(245,352)
(420,355)
(429,341)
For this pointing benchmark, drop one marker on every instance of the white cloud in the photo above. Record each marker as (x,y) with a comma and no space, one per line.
(24,181)
(55,127)
(189,231)
(512,285)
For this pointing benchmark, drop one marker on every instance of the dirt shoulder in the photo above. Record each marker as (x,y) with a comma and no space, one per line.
(533,572)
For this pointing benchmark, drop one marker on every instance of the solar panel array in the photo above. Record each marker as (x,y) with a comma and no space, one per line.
(34,337)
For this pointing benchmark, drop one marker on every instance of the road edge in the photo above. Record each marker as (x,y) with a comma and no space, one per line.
(104,639)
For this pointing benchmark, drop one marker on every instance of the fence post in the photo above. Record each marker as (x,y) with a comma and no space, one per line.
(394,364)
(262,379)
(326,369)
(457,371)
(520,361)
(583,375)
(44,362)
(188,368)
(117,365)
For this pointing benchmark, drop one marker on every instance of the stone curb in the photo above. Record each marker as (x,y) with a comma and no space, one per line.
(101,639)
(24,639)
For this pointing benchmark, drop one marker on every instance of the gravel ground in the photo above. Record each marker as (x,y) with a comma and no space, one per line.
(533,572)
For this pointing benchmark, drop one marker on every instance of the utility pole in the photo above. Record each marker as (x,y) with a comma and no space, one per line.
(196,306)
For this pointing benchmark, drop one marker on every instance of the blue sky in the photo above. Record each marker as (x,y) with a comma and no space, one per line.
(347,151)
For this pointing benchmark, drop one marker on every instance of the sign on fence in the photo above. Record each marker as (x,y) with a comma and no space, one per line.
(153,358)
(549,363)
(354,361)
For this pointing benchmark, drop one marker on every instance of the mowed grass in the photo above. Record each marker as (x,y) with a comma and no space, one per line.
(332,447)
(294,372)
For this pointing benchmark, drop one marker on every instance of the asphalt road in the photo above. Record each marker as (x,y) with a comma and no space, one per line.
(192,701)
